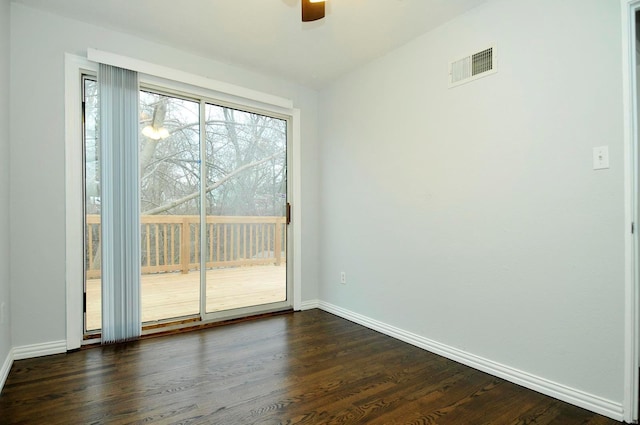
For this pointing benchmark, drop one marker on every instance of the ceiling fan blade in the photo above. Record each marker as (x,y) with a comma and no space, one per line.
(312,11)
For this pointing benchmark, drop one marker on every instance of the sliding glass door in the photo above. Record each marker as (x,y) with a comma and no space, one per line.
(213,202)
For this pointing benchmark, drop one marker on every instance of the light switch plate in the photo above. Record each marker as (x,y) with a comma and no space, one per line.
(601,158)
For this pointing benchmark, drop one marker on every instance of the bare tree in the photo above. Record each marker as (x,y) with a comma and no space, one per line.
(245,154)
(245,158)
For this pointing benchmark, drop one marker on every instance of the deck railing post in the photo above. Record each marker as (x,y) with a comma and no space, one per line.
(185,242)
(277,244)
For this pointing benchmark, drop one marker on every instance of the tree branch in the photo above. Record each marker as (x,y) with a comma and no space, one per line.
(209,188)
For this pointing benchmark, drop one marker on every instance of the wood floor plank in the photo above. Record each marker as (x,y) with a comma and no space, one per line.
(302,368)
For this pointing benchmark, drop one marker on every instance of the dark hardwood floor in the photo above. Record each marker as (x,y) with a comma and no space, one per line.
(301,368)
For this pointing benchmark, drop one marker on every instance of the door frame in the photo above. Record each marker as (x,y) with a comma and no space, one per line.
(75,66)
(632,292)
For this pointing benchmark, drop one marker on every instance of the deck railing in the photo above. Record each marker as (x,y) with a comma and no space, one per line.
(172,242)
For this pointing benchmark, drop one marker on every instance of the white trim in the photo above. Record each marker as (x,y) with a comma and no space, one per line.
(562,392)
(309,304)
(39,350)
(631,319)
(6,368)
(74,237)
(296,208)
(185,77)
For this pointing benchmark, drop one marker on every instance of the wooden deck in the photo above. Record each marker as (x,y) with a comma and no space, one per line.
(171,295)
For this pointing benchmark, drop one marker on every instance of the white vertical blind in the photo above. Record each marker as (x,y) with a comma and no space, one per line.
(120,205)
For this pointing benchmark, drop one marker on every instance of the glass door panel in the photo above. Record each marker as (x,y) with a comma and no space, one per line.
(245,207)
(92,255)
(169,206)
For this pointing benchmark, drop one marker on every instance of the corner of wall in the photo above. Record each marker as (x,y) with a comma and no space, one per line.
(6,367)
(6,351)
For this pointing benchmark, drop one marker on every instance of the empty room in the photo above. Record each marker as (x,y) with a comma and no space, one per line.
(339,211)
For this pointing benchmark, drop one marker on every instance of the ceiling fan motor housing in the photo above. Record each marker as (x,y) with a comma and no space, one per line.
(312,11)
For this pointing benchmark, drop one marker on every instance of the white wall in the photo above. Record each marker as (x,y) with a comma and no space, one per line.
(5,331)
(472,216)
(39,41)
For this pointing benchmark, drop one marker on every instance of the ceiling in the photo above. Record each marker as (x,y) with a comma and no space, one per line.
(268,35)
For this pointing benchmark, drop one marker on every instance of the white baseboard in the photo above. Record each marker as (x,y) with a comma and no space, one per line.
(561,392)
(309,304)
(38,350)
(6,367)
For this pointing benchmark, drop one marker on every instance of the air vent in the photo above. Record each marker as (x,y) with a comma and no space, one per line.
(472,67)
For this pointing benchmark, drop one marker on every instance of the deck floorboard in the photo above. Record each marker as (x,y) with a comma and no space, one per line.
(173,295)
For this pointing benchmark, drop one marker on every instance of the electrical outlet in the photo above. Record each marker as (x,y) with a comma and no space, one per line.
(601,158)
(343,278)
